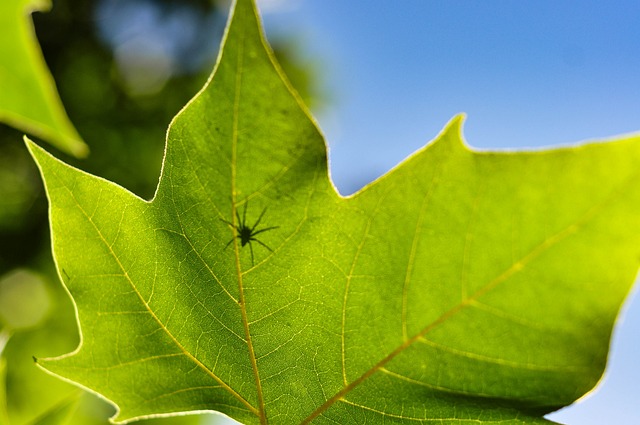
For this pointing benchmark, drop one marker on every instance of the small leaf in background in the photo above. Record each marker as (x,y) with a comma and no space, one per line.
(28,99)
(462,287)
(24,301)
(60,414)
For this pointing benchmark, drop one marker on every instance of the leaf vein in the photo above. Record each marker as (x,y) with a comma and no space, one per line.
(151,312)
(509,272)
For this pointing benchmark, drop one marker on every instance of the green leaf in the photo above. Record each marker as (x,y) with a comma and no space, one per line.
(4,415)
(28,99)
(30,397)
(462,287)
(61,413)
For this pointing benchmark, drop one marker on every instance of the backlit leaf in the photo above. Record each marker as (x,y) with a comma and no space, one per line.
(462,287)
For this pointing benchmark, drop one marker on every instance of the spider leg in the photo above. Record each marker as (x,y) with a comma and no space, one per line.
(258,220)
(262,243)
(240,222)
(251,249)
(229,243)
(244,214)
(233,226)
(264,230)
(229,223)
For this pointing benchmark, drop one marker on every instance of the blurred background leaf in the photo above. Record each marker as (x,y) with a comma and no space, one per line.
(28,99)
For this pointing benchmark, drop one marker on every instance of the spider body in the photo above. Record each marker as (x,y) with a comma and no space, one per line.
(247,234)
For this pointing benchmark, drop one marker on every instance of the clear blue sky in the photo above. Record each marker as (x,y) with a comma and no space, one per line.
(527,74)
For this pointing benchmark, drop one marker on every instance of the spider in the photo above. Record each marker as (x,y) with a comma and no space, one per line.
(245,233)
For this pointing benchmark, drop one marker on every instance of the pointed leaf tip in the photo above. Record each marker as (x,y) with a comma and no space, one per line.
(454,129)
(37,152)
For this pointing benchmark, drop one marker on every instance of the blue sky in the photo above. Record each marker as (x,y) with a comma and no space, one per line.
(526,73)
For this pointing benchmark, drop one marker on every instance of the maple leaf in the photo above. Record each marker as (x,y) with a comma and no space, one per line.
(462,287)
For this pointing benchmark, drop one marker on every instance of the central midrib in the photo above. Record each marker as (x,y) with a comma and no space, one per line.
(239,273)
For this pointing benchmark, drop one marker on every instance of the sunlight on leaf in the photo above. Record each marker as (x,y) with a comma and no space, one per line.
(462,287)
